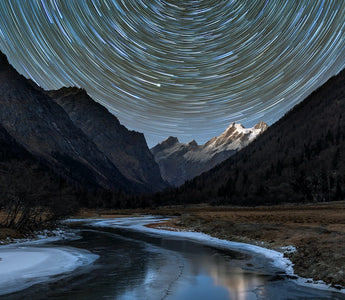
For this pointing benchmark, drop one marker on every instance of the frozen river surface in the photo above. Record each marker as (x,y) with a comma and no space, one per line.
(122,259)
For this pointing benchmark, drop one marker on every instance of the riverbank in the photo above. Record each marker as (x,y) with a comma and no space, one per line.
(10,235)
(316,231)
(13,235)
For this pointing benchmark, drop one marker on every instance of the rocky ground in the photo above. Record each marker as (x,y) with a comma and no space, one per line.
(8,235)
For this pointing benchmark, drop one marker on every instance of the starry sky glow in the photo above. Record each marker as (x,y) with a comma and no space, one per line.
(181,68)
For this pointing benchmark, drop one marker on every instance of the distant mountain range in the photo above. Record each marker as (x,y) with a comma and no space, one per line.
(299,158)
(179,162)
(74,136)
(66,144)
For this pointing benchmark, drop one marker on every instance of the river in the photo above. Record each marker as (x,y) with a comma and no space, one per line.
(152,265)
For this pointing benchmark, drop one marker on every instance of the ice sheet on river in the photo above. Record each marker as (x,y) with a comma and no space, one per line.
(138,223)
(274,258)
(23,266)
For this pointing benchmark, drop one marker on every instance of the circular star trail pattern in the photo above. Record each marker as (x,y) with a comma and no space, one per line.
(182,68)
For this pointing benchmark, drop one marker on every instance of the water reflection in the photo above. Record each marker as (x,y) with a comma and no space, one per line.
(134,265)
(238,282)
(215,275)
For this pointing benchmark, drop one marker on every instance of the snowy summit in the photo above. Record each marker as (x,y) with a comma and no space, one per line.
(179,162)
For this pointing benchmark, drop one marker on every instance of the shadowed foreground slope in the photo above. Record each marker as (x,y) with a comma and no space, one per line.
(30,193)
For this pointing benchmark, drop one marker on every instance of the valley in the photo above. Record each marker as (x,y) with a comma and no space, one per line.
(126,172)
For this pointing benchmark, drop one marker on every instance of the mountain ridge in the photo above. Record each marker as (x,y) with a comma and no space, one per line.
(179,162)
(44,129)
(126,149)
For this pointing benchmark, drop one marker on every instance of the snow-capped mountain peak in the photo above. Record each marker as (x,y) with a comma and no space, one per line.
(235,137)
(179,162)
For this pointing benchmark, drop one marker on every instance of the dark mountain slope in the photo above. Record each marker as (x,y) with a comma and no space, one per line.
(28,188)
(299,158)
(126,149)
(44,129)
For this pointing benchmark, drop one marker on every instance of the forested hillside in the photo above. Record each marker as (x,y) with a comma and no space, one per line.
(299,158)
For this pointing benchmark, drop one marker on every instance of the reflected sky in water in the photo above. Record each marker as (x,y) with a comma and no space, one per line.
(134,265)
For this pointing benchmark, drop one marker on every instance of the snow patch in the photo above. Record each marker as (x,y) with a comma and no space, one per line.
(289,249)
(25,263)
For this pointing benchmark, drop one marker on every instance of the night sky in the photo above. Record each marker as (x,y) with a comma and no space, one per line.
(181,68)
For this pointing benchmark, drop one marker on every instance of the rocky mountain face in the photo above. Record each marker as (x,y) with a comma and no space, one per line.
(45,130)
(299,158)
(10,149)
(126,149)
(179,162)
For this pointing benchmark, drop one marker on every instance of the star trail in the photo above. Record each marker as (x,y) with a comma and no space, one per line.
(182,68)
